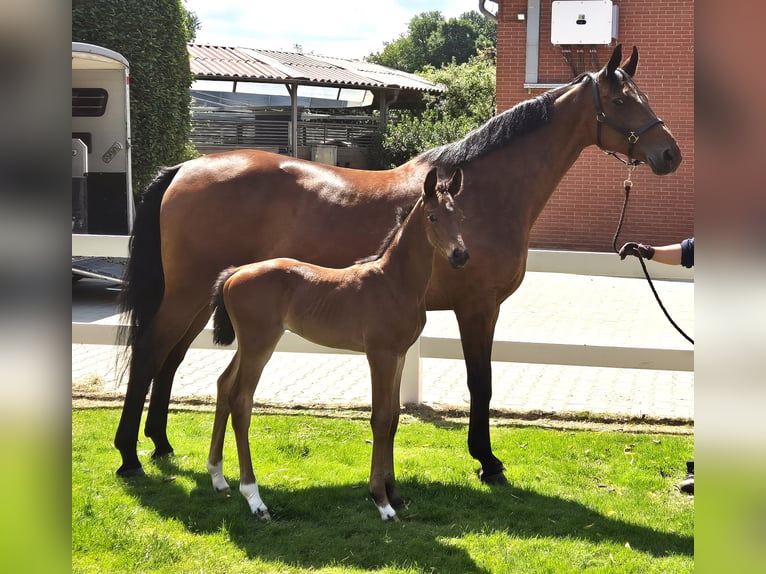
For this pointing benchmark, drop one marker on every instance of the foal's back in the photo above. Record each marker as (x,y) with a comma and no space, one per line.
(338,308)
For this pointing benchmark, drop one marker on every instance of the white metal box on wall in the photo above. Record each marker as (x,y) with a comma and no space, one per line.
(584,22)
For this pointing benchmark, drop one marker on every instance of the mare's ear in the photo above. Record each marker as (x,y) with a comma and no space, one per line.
(429,186)
(455,183)
(614,61)
(629,67)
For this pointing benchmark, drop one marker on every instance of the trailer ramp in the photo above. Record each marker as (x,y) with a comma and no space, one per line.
(106,268)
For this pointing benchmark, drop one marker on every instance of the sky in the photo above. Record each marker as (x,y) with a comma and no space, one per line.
(340,28)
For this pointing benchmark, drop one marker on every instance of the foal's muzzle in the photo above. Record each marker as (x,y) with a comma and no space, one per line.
(458,258)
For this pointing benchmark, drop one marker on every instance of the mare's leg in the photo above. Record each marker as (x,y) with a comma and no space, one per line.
(383,370)
(254,353)
(477,329)
(157,417)
(215,457)
(142,368)
(149,353)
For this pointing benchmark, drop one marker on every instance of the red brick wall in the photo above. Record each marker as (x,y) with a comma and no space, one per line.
(584,211)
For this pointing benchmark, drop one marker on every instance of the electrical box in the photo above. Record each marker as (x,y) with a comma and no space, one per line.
(591,22)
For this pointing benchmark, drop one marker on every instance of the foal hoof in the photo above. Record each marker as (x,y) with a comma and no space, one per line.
(493,479)
(263,515)
(387,513)
(124,472)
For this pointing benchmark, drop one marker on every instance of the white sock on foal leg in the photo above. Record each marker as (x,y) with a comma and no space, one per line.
(387,512)
(216,473)
(257,507)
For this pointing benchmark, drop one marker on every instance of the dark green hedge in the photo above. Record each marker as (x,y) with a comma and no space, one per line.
(152,36)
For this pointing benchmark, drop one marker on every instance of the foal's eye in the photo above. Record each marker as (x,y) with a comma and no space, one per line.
(431,217)
(618,101)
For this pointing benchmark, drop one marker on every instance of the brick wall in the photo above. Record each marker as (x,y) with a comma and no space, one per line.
(584,211)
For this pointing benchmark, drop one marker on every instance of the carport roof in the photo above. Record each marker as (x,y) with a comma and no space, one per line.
(271,66)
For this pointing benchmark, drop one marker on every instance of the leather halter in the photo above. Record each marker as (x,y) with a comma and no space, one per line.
(632,135)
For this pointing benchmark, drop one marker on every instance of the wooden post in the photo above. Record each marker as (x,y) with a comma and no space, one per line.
(412,376)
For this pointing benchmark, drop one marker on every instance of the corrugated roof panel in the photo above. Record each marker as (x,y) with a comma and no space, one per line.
(320,71)
(388,76)
(228,62)
(251,64)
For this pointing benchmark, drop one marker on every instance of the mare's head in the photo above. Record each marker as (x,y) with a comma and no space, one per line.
(625,122)
(443,217)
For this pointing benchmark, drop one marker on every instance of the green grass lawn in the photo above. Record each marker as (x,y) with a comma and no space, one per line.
(578,501)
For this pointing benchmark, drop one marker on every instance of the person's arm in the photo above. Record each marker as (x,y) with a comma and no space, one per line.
(668,254)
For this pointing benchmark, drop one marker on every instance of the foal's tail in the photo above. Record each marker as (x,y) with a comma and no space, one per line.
(223,330)
(144,281)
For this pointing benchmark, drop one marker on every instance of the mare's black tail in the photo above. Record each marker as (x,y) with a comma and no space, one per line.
(223,330)
(144,281)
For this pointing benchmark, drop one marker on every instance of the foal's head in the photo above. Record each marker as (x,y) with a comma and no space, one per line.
(443,217)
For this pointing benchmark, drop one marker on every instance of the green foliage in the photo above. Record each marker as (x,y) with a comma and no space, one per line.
(578,501)
(468,102)
(152,36)
(433,41)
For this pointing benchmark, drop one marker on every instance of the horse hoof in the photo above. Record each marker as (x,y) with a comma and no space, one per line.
(387,513)
(123,472)
(157,454)
(263,515)
(493,479)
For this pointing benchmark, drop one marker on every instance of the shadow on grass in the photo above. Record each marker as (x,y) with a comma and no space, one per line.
(438,513)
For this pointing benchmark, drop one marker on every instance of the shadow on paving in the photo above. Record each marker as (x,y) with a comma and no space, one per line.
(303,516)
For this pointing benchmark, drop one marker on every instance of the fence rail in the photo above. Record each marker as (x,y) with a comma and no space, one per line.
(104,333)
(258,133)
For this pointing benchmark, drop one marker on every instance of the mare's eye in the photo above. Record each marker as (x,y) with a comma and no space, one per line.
(431,217)
(618,101)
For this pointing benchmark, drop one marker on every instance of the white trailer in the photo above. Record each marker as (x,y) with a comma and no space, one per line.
(102,195)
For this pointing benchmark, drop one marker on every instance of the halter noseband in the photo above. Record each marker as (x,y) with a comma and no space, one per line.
(632,135)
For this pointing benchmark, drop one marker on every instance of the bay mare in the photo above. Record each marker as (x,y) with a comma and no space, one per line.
(376,307)
(233,208)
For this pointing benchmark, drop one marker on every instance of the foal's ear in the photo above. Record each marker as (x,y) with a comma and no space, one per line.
(614,61)
(629,67)
(455,183)
(429,186)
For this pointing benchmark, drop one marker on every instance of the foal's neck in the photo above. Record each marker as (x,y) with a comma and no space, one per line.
(408,260)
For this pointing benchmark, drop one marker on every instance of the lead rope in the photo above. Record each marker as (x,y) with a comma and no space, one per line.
(628,183)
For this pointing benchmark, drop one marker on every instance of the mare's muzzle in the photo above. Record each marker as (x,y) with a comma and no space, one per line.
(458,258)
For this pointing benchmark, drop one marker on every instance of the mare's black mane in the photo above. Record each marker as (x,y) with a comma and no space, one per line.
(498,131)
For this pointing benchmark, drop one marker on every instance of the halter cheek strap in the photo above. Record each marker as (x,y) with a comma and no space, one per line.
(632,135)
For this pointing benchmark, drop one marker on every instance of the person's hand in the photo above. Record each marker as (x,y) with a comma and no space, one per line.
(636,250)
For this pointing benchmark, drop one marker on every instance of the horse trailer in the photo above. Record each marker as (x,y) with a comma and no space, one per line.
(102,195)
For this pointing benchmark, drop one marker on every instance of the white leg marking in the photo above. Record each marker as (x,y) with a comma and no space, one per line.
(257,507)
(216,473)
(387,513)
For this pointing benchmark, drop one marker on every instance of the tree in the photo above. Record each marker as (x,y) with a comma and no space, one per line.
(433,41)
(468,102)
(152,36)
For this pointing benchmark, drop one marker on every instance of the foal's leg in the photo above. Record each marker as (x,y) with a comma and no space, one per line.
(391,489)
(215,457)
(477,329)
(384,367)
(157,417)
(254,354)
